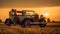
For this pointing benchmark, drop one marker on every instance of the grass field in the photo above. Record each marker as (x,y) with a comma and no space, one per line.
(16,29)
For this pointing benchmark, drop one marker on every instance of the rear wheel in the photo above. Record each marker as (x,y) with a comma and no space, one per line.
(26,22)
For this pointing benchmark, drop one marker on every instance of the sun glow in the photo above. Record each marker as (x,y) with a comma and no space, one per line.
(46,14)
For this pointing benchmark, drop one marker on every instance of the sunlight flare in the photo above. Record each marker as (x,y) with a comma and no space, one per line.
(46,14)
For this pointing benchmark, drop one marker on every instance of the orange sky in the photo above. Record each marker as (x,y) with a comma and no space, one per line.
(53,12)
(51,7)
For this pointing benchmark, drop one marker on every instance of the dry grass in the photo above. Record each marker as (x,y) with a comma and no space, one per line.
(33,30)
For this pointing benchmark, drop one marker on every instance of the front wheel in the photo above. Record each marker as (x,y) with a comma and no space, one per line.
(8,22)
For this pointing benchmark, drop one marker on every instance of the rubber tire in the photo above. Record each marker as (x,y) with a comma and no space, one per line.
(24,22)
(8,22)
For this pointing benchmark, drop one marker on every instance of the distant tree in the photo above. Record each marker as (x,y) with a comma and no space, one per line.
(48,20)
(53,20)
(0,20)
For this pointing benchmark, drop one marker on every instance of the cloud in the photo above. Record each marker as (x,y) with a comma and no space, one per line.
(28,3)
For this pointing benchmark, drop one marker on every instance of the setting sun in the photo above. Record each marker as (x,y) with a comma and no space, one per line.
(46,14)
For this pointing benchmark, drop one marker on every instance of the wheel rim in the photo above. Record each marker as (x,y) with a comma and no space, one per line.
(27,23)
(7,22)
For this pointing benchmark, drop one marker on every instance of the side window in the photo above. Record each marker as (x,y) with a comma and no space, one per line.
(19,13)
